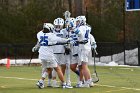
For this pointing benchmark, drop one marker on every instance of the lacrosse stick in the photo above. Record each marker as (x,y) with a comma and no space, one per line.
(67,15)
(31,58)
(95,77)
(67,18)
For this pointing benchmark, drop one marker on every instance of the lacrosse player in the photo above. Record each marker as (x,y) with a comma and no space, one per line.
(66,69)
(74,47)
(44,70)
(46,38)
(58,50)
(83,32)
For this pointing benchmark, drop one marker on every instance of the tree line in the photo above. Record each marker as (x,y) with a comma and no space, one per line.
(19,23)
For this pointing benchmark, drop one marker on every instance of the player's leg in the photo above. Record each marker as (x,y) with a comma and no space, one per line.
(83,57)
(73,67)
(54,82)
(85,69)
(59,73)
(74,64)
(41,83)
(81,77)
(44,74)
(54,74)
(67,70)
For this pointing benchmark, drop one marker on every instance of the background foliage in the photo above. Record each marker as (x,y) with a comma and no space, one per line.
(20,20)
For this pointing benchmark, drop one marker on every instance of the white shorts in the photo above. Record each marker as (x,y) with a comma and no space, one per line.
(83,56)
(74,59)
(60,58)
(49,64)
(90,61)
(67,59)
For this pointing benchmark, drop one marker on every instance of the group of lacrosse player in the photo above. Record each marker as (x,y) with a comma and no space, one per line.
(64,46)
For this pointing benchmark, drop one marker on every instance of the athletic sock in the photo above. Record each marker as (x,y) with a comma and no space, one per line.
(77,72)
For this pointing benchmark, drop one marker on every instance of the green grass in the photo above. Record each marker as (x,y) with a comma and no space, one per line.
(112,80)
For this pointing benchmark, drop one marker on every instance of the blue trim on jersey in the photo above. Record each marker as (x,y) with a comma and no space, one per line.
(71,24)
(77,31)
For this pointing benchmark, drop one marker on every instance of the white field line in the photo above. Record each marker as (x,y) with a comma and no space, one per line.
(119,87)
(126,68)
(2,86)
(18,78)
(115,90)
(127,88)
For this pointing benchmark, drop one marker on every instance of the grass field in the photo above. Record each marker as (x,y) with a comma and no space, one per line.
(112,80)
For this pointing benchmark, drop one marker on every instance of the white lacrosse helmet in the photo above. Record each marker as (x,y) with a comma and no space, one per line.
(49,26)
(72,22)
(59,21)
(78,18)
(82,20)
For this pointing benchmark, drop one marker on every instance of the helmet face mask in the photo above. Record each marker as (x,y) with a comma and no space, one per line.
(83,20)
(80,20)
(77,22)
(45,30)
(70,24)
(58,27)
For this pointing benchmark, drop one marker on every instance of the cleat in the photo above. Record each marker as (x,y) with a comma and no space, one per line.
(79,84)
(49,85)
(66,86)
(91,84)
(40,84)
(82,86)
(54,84)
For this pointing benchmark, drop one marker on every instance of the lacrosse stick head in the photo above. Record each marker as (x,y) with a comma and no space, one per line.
(67,18)
(95,78)
(67,14)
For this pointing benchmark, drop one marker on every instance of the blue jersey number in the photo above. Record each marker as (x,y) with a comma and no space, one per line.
(43,41)
(73,36)
(86,34)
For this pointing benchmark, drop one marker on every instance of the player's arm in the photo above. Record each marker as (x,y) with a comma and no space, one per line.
(60,40)
(92,42)
(36,47)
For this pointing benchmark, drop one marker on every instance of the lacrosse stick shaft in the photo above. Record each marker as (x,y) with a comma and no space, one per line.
(95,52)
(31,58)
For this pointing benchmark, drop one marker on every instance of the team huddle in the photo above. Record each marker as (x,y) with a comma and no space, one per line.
(64,49)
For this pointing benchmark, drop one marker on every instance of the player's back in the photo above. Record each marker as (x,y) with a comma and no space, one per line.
(84,35)
(46,39)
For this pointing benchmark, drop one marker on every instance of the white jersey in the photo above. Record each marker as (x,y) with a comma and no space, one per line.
(66,33)
(45,39)
(74,47)
(83,34)
(57,49)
